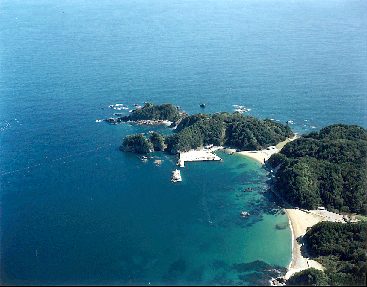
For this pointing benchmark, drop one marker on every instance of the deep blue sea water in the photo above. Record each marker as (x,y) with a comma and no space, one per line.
(74,209)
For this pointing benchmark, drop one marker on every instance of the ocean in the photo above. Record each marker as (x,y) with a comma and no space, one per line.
(75,209)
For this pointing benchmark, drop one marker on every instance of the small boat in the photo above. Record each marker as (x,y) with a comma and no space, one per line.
(144,158)
(202,106)
(245,214)
(176,176)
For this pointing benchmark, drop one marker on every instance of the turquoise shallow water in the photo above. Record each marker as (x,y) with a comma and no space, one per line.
(74,209)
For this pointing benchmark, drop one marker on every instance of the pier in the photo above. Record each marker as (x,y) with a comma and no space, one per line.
(204,154)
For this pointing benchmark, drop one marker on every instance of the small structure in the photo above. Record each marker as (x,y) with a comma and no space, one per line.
(181,162)
(202,154)
(321,208)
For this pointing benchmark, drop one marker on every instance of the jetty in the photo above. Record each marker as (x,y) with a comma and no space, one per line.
(204,154)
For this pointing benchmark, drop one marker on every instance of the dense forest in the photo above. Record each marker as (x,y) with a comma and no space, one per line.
(308,277)
(137,143)
(341,248)
(233,130)
(150,111)
(327,168)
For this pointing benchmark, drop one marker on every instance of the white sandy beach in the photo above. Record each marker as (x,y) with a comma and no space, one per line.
(299,221)
(263,155)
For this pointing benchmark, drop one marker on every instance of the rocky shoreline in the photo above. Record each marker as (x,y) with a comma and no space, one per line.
(119,120)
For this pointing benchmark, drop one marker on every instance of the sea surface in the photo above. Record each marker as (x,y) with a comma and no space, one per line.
(75,209)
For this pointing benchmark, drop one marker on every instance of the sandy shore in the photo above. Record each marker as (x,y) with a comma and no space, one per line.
(299,221)
(263,155)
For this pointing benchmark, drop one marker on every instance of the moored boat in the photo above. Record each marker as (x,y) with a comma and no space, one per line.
(176,176)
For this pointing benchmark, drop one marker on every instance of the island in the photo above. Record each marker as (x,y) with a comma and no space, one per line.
(151,114)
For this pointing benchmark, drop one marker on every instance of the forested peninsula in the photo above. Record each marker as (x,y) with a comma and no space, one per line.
(328,168)
(325,168)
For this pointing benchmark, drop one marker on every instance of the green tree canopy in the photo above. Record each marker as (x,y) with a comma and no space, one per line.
(327,168)
(308,277)
(136,143)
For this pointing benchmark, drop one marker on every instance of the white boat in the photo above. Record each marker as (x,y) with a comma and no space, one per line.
(176,176)
(244,214)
